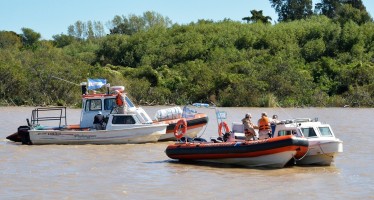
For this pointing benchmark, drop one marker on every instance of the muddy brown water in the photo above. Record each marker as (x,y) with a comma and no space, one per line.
(143,171)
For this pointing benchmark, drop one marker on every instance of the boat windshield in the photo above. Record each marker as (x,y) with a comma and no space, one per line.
(129,102)
(309,132)
(325,131)
(93,104)
(109,103)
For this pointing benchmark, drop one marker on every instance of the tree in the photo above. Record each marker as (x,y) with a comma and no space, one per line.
(344,10)
(347,12)
(86,30)
(289,10)
(9,39)
(29,37)
(133,24)
(355,4)
(327,8)
(99,29)
(62,40)
(90,30)
(77,29)
(257,16)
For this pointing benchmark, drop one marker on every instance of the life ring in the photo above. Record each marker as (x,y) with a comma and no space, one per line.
(180,128)
(223,125)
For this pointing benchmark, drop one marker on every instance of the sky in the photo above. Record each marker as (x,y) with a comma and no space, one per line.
(52,17)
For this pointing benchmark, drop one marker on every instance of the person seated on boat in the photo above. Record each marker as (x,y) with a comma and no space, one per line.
(264,127)
(98,121)
(120,101)
(249,127)
(273,123)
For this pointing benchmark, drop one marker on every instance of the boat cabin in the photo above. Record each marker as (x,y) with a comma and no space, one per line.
(106,104)
(304,126)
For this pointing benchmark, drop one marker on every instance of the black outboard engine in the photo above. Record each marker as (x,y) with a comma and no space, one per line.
(23,133)
(226,136)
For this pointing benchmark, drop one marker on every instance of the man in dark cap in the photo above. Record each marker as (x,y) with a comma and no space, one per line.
(98,121)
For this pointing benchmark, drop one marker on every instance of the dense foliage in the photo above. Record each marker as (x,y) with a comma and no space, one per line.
(315,61)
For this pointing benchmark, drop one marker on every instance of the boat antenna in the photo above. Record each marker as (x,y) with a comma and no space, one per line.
(284,110)
(65,80)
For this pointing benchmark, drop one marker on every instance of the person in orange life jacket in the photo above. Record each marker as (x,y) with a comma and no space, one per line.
(249,131)
(264,126)
(98,121)
(120,101)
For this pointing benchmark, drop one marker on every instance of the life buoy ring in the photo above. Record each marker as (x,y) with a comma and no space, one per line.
(180,128)
(223,125)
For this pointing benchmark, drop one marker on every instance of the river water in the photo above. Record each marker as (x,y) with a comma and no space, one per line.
(143,171)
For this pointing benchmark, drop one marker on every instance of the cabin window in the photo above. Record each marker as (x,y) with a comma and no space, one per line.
(123,120)
(286,132)
(145,118)
(93,105)
(308,132)
(109,103)
(129,102)
(325,131)
(281,133)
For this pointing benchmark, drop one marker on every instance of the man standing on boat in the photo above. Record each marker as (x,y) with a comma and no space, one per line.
(120,101)
(264,127)
(273,124)
(98,121)
(249,131)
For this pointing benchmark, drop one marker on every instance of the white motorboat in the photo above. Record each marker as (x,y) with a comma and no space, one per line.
(120,129)
(133,125)
(106,104)
(323,145)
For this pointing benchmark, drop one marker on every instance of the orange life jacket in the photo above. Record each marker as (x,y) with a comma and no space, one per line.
(119,99)
(264,124)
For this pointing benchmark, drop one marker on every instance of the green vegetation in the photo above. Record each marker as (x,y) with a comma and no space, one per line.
(312,61)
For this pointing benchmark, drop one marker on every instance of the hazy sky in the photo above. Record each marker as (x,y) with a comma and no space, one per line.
(51,17)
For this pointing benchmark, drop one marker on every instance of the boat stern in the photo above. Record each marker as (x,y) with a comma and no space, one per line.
(22,135)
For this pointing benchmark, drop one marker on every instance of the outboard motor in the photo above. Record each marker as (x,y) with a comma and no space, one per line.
(226,136)
(23,133)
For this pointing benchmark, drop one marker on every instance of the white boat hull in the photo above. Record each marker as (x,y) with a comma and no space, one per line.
(322,152)
(131,135)
(276,160)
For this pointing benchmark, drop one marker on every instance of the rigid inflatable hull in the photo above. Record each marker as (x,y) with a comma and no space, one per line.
(274,152)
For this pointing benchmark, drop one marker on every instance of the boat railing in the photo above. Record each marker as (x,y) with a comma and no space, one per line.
(297,120)
(48,114)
